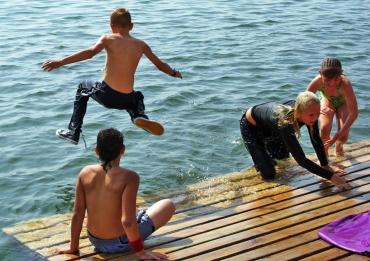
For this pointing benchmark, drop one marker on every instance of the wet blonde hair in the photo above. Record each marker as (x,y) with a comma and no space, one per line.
(287,115)
(120,17)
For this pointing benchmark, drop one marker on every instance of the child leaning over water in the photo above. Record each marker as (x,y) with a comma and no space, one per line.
(269,131)
(116,91)
(337,98)
(108,193)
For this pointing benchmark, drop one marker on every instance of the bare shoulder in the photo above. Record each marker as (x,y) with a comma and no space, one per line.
(315,84)
(106,38)
(89,171)
(138,42)
(128,175)
(317,79)
(346,81)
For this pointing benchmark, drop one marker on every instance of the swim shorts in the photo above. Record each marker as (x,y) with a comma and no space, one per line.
(120,244)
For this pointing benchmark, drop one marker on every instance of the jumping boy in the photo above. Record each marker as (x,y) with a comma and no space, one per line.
(108,193)
(123,53)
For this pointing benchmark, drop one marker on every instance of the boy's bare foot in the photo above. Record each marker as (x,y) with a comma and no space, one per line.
(150,126)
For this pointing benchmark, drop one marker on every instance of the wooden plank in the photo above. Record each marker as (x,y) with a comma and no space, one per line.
(240,214)
(241,198)
(250,239)
(255,227)
(331,253)
(232,211)
(207,226)
(354,258)
(300,251)
(334,253)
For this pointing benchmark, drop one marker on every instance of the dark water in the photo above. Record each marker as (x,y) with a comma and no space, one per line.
(233,54)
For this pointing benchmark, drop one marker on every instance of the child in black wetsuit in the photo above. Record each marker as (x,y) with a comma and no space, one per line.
(269,132)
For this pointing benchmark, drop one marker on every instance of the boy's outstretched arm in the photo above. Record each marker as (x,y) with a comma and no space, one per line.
(88,53)
(77,219)
(162,66)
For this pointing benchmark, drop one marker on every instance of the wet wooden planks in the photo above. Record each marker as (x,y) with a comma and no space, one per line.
(237,217)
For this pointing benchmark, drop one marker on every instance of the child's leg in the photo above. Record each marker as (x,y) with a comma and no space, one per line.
(138,117)
(341,114)
(276,148)
(84,90)
(262,161)
(326,120)
(138,110)
(161,212)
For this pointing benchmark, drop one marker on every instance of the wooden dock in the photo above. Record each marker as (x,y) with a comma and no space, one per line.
(236,217)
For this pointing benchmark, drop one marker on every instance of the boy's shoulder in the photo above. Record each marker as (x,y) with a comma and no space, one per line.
(89,169)
(127,173)
(116,36)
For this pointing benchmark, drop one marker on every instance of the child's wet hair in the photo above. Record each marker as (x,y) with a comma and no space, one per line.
(120,17)
(304,100)
(330,68)
(288,115)
(109,144)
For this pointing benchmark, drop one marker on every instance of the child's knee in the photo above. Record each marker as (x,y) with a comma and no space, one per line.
(325,132)
(169,205)
(343,139)
(267,171)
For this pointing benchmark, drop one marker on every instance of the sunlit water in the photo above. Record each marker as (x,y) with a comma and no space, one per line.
(232,54)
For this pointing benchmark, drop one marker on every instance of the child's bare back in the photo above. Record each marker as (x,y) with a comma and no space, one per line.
(123,56)
(108,193)
(103,196)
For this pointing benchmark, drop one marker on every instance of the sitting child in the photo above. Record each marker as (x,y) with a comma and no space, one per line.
(108,193)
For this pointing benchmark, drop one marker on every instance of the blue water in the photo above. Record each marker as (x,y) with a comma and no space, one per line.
(232,54)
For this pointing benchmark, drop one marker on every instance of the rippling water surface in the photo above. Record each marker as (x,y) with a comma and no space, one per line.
(232,54)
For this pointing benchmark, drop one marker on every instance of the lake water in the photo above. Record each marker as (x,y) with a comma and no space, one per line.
(232,54)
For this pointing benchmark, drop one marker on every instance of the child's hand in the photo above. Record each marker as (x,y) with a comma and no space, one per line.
(330,142)
(149,255)
(340,182)
(50,65)
(178,74)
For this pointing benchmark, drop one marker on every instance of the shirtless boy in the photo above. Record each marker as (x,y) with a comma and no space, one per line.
(123,53)
(108,193)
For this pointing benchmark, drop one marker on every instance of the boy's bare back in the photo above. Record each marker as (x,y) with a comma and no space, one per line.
(103,195)
(123,56)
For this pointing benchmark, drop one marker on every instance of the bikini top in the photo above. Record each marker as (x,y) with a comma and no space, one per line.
(336,100)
